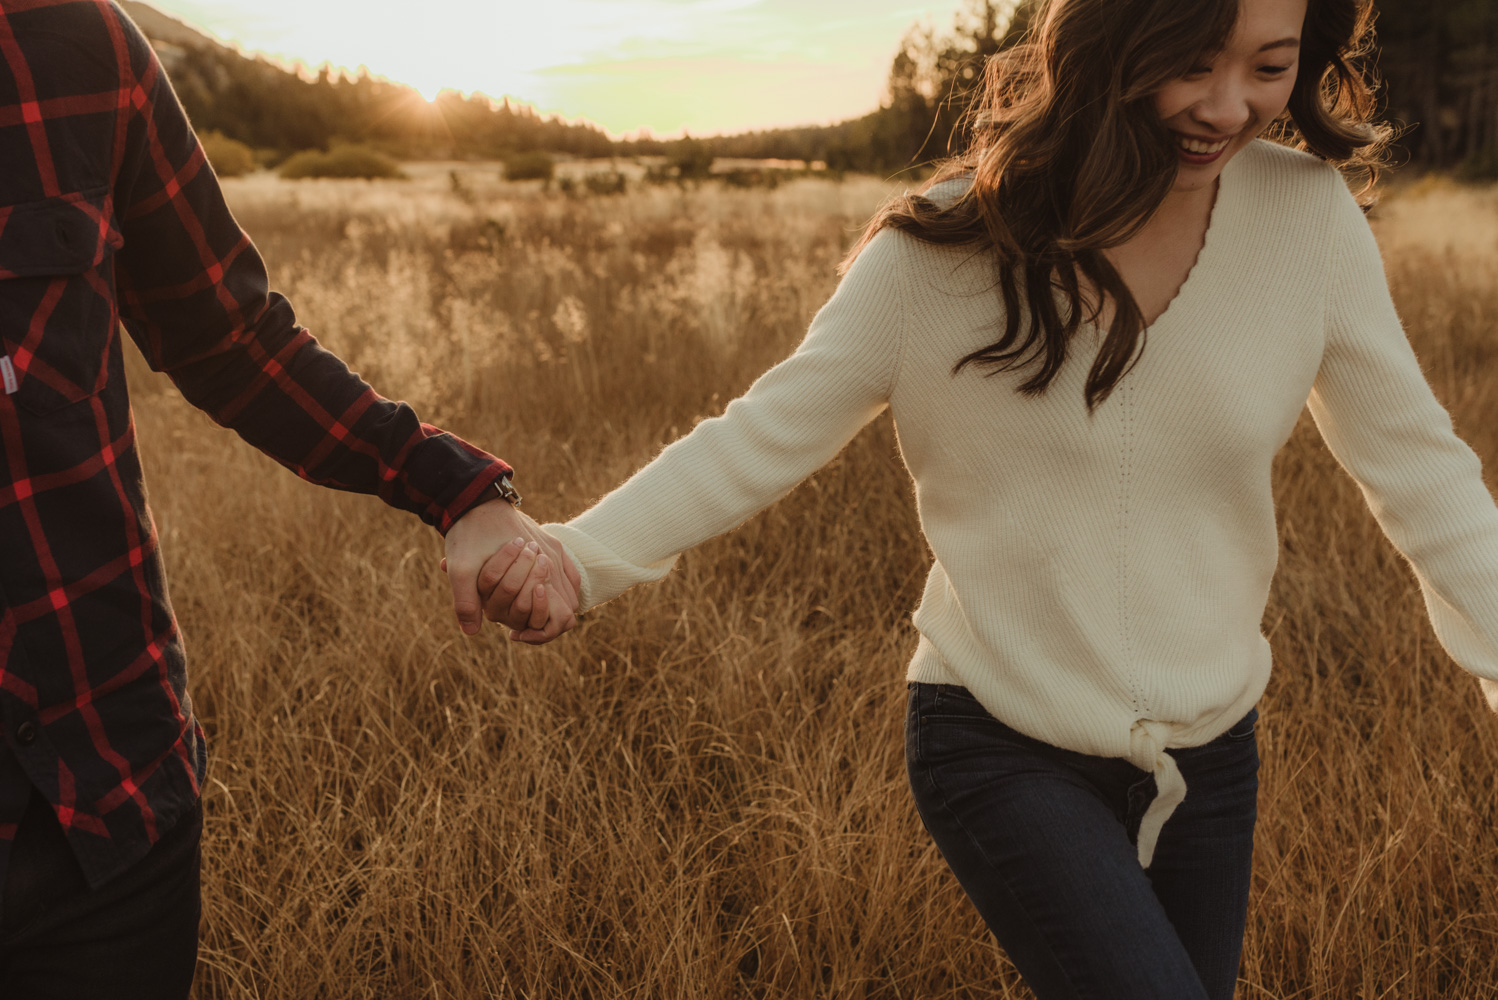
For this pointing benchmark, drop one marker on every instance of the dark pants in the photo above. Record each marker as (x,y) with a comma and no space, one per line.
(133,938)
(1042,840)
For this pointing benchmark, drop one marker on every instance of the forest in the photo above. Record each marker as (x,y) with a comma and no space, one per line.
(1437,60)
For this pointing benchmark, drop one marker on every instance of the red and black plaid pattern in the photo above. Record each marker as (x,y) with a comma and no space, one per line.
(111,215)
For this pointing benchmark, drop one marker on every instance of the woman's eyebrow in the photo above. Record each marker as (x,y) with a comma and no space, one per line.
(1282,43)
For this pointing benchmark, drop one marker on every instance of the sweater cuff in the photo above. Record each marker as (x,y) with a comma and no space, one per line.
(603,575)
(1489,691)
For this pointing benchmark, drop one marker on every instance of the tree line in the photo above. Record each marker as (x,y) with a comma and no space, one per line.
(1437,59)
(271,108)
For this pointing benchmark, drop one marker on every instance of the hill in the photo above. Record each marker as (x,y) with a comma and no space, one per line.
(163,28)
(272,107)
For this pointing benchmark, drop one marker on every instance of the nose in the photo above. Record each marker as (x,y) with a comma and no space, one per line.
(1224,107)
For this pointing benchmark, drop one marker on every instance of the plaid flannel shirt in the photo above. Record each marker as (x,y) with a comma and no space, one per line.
(110,215)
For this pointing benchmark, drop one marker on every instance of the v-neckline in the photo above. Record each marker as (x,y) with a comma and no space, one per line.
(1216,221)
(1202,254)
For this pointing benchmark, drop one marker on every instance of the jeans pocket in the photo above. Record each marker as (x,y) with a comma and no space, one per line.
(1244,728)
(938,724)
(956,730)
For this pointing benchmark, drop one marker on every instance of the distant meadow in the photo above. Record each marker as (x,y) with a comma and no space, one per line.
(700,793)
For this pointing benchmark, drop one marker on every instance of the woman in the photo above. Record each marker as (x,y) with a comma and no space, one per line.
(1080,734)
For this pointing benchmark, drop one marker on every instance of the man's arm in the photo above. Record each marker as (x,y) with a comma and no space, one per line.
(194,295)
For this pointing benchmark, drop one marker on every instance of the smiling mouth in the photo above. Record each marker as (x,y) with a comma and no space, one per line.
(1199,147)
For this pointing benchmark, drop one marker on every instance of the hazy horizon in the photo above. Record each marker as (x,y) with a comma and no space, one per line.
(703,66)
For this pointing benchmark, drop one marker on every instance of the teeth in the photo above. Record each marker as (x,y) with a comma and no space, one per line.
(1197,146)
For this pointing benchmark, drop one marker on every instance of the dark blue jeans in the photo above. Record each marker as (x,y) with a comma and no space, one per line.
(1042,840)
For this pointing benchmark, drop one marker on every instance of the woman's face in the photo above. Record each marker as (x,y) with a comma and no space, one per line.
(1219,107)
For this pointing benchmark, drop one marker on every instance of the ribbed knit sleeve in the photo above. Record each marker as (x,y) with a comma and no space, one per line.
(790,423)
(1423,484)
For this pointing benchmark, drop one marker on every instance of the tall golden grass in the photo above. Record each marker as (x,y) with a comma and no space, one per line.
(701,792)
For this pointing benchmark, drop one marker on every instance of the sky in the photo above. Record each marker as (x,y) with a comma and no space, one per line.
(705,66)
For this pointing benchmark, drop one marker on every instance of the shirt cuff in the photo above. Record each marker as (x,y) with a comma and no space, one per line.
(480,490)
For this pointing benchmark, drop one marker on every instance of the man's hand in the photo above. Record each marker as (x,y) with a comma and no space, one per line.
(523,574)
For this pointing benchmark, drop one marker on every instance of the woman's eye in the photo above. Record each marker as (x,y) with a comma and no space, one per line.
(1199,71)
(1273,70)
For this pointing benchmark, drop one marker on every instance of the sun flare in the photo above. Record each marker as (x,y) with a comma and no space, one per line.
(426,88)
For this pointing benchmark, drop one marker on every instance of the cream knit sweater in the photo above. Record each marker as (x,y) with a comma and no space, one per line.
(1099,579)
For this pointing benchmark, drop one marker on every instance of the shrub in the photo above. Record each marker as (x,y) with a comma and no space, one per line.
(612,182)
(692,158)
(753,178)
(340,161)
(535,166)
(604,183)
(228,157)
(1479,166)
(271,158)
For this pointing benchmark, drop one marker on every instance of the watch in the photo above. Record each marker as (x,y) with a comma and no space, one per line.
(507,491)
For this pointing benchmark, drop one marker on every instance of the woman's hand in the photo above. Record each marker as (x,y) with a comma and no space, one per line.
(527,583)
(513,586)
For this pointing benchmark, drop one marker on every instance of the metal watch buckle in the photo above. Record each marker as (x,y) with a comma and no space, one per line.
(507,491)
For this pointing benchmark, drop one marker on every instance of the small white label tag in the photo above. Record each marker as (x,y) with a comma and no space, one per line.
(8,375)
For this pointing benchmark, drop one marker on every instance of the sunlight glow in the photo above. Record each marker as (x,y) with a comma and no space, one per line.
(662,65)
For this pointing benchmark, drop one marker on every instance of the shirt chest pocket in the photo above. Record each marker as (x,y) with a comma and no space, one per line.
(57,313)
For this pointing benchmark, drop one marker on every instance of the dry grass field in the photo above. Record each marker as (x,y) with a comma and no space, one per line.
(701,792)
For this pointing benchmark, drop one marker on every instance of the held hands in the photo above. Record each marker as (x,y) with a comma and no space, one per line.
(513,577)
(500,561)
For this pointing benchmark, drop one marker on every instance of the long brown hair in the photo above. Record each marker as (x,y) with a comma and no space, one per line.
(1068,157)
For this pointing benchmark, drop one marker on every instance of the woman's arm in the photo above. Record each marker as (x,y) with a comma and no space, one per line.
(1382,422)
(790,423)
